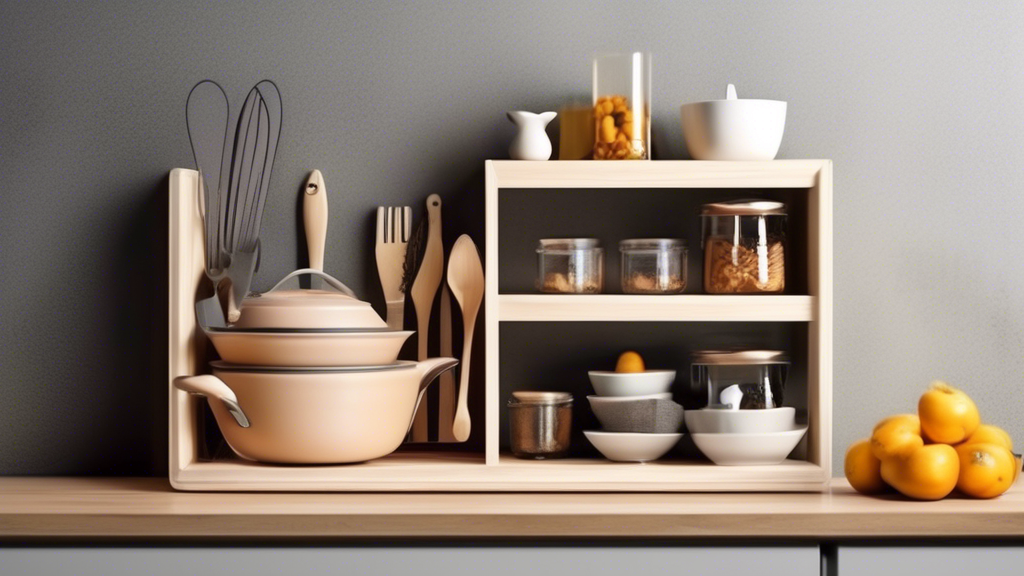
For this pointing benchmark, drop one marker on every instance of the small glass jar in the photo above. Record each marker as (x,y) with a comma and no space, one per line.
(540,424)
(653,265)
(570,266)
(744,247)
(622,106)
(745,380)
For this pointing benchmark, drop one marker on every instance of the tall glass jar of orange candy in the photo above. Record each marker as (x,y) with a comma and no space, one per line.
(622,106)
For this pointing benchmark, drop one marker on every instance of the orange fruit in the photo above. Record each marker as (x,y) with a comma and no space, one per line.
(896,436)
(947,415)
(986,470)
(630,362)
(989,434)
(863,470)
(927,473)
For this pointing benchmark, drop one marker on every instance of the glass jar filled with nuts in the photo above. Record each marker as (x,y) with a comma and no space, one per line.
(622,106)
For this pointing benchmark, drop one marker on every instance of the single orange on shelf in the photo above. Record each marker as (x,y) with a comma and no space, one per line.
(986,470)
(630,362)
(947,414)
(863,470)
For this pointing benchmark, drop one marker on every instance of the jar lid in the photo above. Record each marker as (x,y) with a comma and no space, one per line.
(744,208)
(537,397)
(651,244)
(740,357)
(559,244)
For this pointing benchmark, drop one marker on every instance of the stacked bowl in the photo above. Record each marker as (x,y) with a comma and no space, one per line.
(744,423)
(640,420)
(310,376)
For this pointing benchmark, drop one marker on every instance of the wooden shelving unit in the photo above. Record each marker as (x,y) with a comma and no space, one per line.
(811,178)
(491,470)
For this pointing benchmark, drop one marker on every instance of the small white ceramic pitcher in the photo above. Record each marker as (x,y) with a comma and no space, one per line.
(531,141)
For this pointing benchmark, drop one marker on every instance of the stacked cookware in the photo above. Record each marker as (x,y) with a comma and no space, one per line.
(305,376)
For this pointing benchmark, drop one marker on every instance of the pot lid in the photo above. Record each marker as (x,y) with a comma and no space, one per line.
(744,208)
(333,307)
(740,357)
(226,367)
(538,397)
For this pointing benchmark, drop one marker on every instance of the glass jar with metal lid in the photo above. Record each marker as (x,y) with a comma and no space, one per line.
(741,380)
(570,266)
(653,265)
(540,424)
(744,247)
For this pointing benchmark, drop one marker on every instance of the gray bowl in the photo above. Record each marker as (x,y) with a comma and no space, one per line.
(640,415)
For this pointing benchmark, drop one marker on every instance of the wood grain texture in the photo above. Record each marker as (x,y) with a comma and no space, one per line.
(656,174)
(660,308)
(135,508)
(461,472)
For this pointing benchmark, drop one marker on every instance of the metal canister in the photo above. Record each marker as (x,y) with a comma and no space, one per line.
(541,424)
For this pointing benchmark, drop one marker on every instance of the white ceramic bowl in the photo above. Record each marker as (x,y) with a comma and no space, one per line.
(748,449)
(733,129)
(632,383)
(715,421)
(630,446)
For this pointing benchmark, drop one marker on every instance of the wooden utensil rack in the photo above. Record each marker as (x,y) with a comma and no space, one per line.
(805,313)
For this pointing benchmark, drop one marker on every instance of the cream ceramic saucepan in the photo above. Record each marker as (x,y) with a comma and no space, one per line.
(315,415)
(308,328)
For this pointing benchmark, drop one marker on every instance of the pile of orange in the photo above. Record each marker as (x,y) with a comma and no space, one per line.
(944,447)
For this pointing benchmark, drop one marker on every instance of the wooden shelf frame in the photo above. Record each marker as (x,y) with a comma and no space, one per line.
(491,471)
(636,308)
(815,308)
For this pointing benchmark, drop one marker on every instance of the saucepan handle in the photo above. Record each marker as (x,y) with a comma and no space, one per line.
(213,387)
(327,278)
(430,369)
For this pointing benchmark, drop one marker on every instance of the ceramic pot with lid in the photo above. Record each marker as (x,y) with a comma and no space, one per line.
(292,327)
(331,415)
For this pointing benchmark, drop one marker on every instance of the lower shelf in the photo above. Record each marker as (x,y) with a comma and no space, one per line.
(453,472)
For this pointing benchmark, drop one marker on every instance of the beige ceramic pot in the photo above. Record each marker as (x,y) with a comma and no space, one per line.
(315,416)
(305,328)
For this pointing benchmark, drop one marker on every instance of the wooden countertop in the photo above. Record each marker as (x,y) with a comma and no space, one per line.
(146,508)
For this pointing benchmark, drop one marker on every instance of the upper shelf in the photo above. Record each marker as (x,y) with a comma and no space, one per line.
(657,174)
(660,308)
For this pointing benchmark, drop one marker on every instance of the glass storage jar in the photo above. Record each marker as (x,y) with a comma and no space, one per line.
(540,424)
(570,266)
(741,380)
(622,106)
(744,247)
(653,265)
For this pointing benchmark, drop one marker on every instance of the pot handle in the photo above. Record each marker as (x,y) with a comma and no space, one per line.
(327,278)
(213,387)
(429,369)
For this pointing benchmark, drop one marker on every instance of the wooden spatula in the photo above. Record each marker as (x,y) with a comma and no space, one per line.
(423,290)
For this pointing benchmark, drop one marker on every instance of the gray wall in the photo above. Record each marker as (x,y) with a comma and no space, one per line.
(918,103)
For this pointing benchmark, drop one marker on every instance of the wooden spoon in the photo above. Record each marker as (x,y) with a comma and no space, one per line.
(466,279)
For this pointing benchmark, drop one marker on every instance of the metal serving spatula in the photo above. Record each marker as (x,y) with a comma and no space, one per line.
(394,225)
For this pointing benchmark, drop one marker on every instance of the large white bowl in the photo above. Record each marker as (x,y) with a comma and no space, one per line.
(631,446)
(716,421)
(632,383)
(733,129)
(748,449)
